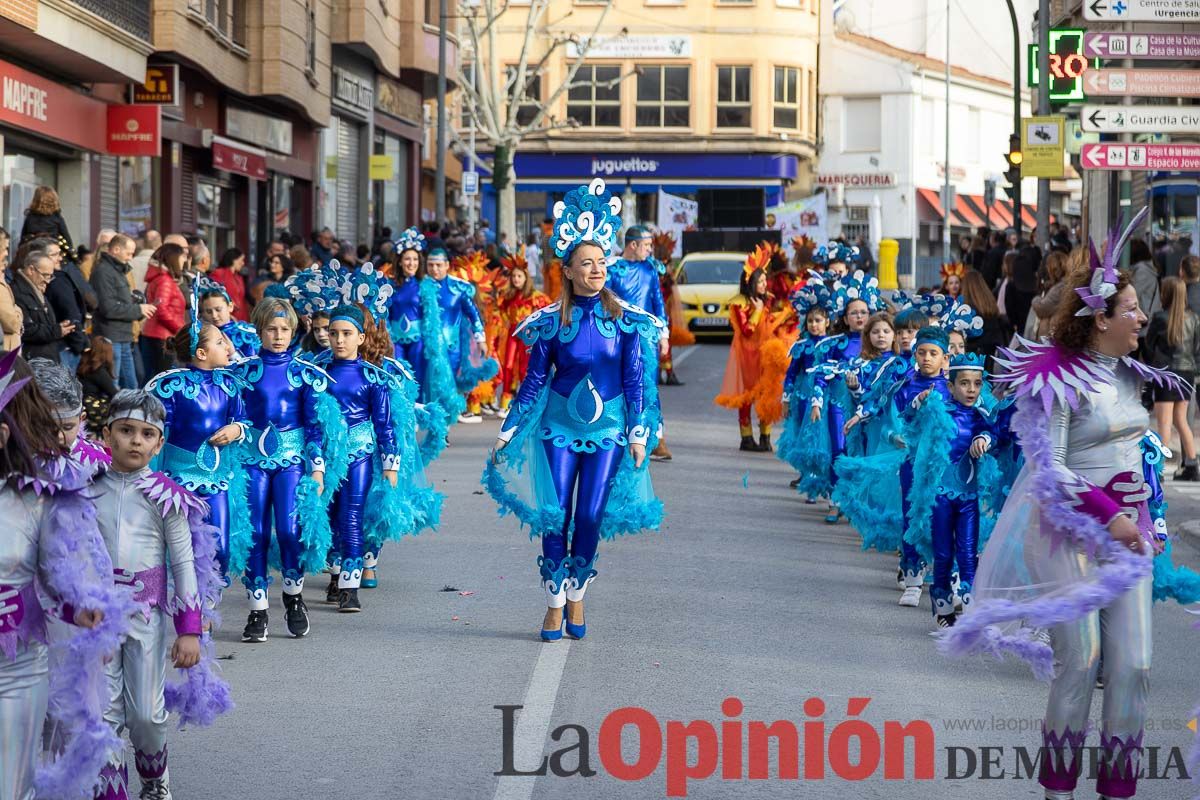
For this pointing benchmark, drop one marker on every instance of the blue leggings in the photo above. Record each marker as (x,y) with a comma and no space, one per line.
(348,506)
(955,533)
(272,496)
(414,354)
(582,482)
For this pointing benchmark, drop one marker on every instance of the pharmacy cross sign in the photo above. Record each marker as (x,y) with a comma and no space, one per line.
(1141,10)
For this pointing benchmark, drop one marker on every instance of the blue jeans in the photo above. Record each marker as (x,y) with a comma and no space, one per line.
(69,360)
(126,370)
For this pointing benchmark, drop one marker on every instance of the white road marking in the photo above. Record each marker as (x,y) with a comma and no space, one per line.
(533,721)
(682,353)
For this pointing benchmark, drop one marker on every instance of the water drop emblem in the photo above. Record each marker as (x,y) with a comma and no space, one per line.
(208,457)
(585,403)
(268,441)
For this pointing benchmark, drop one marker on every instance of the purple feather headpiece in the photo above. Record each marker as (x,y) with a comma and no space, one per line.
(1103,284)
(9,384)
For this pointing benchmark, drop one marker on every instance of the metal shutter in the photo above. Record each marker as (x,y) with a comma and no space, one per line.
(187,190)
(110,190)
(347,181)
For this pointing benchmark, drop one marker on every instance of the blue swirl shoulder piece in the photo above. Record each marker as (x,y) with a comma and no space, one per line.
(639,320)
(250,370)
(302,371)
(459,286)
(181,380)
(379,376)
(541,324)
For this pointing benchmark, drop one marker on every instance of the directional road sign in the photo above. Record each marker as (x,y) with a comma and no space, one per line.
(1141,10)
(1154,157)
(1142,82)
(1174,46)
(1140,119)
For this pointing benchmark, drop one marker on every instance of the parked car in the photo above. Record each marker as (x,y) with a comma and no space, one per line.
(706,283)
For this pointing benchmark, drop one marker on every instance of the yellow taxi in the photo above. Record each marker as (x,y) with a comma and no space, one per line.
(706,283)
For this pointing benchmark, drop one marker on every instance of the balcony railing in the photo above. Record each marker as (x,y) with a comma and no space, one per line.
(131,16)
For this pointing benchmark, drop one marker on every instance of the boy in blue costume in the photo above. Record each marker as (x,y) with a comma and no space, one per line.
(943,511)
(462,333)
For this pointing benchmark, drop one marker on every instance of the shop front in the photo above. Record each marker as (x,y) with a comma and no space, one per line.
(732,189)
(395,162)
(49,133)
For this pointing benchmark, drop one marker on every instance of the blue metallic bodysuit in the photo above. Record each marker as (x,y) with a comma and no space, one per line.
(404,325)
(460,318)
(835,355)
(636,282)
(285,437)
(199,403)
(362,390)
(903,397)
(583,402)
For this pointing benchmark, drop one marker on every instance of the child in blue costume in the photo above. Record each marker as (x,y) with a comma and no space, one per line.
(810,303)
(205,415)
(855,297)
(217,309)
(942,521)
(363,391)
(287,406)
(461,337)
(561,462)
(930,356)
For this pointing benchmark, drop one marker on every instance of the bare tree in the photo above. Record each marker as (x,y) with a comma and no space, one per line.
(500,100)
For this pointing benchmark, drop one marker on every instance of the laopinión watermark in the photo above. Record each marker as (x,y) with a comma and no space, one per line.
(736,749)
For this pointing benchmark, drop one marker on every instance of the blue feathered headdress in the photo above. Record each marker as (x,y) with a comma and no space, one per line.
(857,286)
(411,239)
(814,294)
(365,285)
(315,290)
(973,361)
(836,252)
(587,214)
(203,285)
(962,318)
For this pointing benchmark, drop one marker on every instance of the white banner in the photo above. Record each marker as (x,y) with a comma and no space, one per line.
(676,214)
(807,217)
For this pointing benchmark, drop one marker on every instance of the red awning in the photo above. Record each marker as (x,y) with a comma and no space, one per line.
(934,214)
(971,212)
(964,212)
(999,216)
(242,159)
(934,201)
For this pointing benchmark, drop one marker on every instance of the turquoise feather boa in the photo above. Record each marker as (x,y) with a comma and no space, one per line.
(439,386)
(241,534)
(869,497)
(312,508)
(931,429)
(470,376)
(432,419)
(541,519)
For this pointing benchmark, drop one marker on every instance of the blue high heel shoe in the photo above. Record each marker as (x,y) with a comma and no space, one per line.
(370,583)
(574,631)
(552,635)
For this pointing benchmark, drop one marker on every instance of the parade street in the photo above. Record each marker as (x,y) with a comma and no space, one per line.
(745,593)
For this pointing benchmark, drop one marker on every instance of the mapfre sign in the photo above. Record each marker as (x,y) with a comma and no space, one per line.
(859,180)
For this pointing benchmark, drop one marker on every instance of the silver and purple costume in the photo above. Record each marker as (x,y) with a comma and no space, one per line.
(144,542)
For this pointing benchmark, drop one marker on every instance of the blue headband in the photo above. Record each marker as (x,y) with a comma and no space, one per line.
(348,314)
(931,335)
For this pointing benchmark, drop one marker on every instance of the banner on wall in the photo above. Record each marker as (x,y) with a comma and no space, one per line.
(676,214)
(807,217)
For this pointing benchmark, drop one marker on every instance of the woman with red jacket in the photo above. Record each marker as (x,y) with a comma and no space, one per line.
(162,290)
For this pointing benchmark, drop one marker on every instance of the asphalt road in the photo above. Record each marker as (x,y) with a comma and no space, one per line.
(745,593)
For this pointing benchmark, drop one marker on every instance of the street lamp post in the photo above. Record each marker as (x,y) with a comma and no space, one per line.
(440,178)
(1016,32)
(946,163)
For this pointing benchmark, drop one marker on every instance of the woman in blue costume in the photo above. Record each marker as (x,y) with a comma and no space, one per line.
(404,309)
(205,414)
(570,458)
(363,391)
(217,309)
(288,407)
(810,303)
(855,297)
(460,335)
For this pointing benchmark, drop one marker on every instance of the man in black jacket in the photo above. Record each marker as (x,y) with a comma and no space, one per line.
(42,331)
(993,260)
(116,310)
(69,295)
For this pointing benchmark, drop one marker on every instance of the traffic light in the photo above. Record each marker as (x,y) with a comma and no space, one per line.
(1014,157)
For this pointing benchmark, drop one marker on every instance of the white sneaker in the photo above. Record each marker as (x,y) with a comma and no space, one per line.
(502,413)
(470,419)
(911,597)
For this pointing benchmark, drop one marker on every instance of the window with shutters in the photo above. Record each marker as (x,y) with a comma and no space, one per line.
(109,191)
(348,157)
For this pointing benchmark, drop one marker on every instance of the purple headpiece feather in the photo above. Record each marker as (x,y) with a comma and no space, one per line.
(9,385)
(1103,283)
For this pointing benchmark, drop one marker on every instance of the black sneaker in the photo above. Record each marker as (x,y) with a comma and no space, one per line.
(748,444)
(296,615)
(256,627)
(348,601)
(1188,472)
(945,620)
(331,591)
